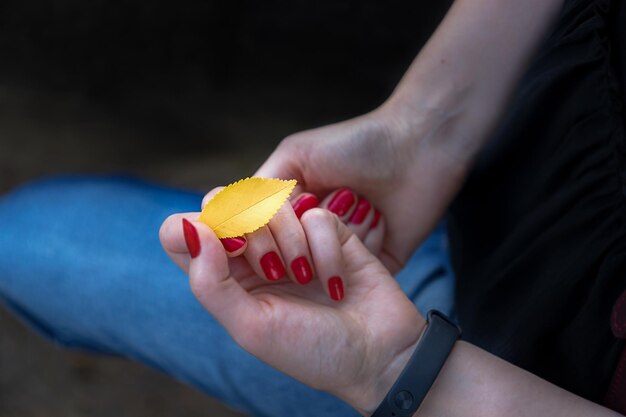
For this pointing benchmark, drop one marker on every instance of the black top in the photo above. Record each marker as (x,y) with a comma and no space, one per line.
(538,234)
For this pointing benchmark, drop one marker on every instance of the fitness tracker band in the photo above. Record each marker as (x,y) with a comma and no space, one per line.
(420,373)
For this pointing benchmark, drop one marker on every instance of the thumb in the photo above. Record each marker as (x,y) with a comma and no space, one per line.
(210,280)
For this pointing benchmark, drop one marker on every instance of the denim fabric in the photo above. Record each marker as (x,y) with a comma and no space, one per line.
(81,262)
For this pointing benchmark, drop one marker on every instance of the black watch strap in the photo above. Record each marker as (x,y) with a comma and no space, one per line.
(420,373)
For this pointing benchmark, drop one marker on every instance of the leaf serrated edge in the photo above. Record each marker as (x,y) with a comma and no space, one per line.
(292,181)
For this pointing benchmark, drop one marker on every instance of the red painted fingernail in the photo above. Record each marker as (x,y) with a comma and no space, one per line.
(375,220)
(341,202)
(272,266)
(335,288)
(304,203)
(191,238)
(360,213)
(233,244)
(302,270)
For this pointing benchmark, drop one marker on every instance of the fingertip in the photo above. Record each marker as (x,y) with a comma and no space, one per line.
(326,235)
(165,234)
(375,236)
(210,195)
(264,256)
(316,215)
(234,246)
(301,268)
(375,220)
(341,202)
(361,211)
(192,239)
(305,202)
(210,255)
(336,290)
(317,218)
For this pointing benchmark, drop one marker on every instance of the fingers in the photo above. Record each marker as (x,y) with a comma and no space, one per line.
(281,249)
(234,246)
(342,202)
(359,215)
(303,202)
(264,256)
(210,195)
(174,244)
(321,231)
(375,234)
(173,241)
(340,258)
(291,240)
(212,283)
(361,218)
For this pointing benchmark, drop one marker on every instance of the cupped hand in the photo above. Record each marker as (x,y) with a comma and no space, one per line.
(385,156)
(353,348)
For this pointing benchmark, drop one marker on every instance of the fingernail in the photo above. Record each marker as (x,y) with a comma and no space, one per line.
(272,266)
(375,220)
(233,244)
(341,202)
(360,213)
(335,288)
(191,238)
(304,203)
(302,270)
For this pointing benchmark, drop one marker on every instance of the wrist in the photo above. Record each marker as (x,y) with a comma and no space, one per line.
(430,123)
(370,391)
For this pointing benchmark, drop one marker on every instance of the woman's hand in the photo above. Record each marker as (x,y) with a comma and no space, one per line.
(353,349)
(280,249)
(356,348)
(382,155)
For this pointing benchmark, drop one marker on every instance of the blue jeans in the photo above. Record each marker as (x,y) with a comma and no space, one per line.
(81,262)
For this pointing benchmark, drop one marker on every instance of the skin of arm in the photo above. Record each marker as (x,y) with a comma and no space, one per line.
(458,87)
(475,383)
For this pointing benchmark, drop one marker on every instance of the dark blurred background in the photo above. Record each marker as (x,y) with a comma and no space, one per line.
(192,94)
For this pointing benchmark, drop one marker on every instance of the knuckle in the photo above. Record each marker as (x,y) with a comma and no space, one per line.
(316,216)
(288,142)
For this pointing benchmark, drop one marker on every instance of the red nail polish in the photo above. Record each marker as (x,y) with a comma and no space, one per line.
(302,270)
(272,266)
(304,203)
(191,238)
(341,202)
(375,220)
(360,213)
(233,244)
(335,288)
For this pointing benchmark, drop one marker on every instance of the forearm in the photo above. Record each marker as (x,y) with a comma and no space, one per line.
(449,100)
(458,86)
(476,383)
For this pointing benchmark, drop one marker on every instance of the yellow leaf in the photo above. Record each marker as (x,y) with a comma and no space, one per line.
(245,206)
